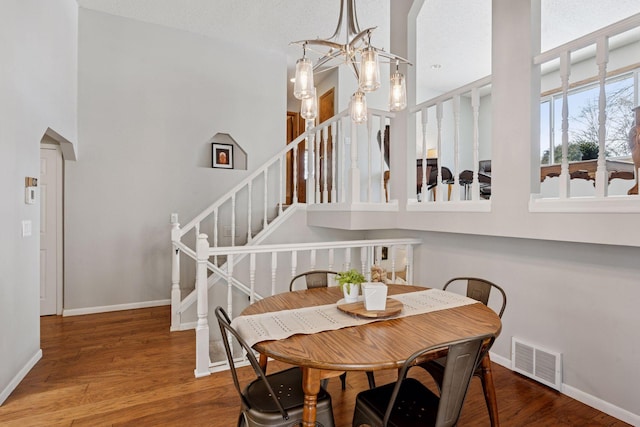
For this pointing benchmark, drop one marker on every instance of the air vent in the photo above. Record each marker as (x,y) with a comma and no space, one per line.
(534,362)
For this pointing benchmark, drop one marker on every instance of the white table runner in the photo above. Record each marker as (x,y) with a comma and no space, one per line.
(309,320)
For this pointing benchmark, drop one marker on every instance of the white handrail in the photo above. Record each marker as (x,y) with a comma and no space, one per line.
(368,257)
(288,247)
(616,28)
(321,164)
(599,40)
(485,81)
(447,194)
(209,210)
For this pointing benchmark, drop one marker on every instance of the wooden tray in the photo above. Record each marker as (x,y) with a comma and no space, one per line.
(392,308)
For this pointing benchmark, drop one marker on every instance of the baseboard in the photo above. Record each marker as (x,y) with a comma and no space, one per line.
(601,405)
(184,326)
(582,397)
(19,376)
(119,307)
(502,361)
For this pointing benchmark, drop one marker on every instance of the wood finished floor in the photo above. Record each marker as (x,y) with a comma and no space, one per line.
(126,369)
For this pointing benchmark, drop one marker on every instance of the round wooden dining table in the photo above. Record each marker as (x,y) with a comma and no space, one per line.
(379,345)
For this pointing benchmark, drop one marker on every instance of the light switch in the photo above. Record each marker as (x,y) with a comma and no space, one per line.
(30,195)
(26,228)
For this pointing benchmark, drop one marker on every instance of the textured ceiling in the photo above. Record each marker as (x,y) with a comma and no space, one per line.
(270,24)
(456,33)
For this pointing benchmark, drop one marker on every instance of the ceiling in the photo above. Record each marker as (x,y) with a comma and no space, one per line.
(458,32)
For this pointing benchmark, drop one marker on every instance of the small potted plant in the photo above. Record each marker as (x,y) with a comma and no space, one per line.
(350,282)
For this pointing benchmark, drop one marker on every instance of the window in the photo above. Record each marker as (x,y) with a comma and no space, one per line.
(583,121)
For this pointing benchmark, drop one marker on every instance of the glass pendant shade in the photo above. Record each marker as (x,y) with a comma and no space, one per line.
(358,107)
(309,107)
(397,92)
(369,70)
(303,86)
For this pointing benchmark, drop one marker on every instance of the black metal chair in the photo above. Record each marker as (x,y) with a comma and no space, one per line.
(480,290)
(273,400)
(313,279)
(409,403)
(432,176)
(466,180)
(320,279)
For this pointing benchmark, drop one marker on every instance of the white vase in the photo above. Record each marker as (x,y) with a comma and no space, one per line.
(375,296)
(352,295)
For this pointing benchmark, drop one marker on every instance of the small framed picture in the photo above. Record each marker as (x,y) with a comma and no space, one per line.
(221,155)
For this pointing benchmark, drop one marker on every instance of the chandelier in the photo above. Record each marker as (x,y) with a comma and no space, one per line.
(354,49)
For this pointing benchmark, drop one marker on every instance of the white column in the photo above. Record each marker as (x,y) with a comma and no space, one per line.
(325,186)
(230,285)
(252,277)
(265,221)
(310,164)
(475,105)
(456,149)
(393,262)
(202,325)
(294,263)
(274,270)
(364,257)
(316,172)
(294,199)
(331,259)
(215,233)
(354,172)
(383,198)
(424,116)
(233,219)
(439,186)
(282,184)
(334,142)
(409,267)
(175,275)
(249,188)
(602,176)
(369,158)
(565,71)
(343,163)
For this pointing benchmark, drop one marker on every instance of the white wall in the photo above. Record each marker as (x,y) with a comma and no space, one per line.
(150,98)
(577,299)
(566,293)
(38,87)
(515,109)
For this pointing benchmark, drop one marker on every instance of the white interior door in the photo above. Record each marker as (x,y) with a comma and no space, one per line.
(50,185)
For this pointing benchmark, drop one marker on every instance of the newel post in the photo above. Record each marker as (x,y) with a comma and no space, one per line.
(202,326)
(175,274)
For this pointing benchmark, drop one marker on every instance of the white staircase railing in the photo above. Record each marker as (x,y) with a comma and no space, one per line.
(268,269)
(332,170)
(454,152)
(338,170)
